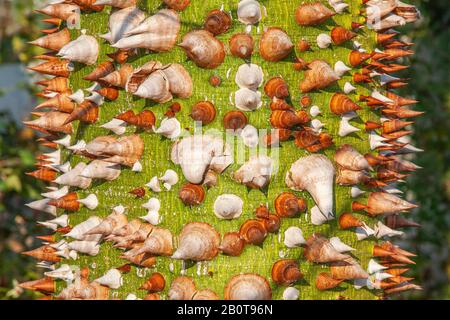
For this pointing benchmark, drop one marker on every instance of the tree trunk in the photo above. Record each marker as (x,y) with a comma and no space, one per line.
(215,273)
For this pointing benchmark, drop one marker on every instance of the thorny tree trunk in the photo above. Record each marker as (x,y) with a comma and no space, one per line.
(216,272)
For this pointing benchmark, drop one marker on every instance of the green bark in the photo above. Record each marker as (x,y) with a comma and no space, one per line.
(156,158)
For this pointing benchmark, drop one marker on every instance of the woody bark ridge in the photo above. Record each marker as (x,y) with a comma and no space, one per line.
(119,96)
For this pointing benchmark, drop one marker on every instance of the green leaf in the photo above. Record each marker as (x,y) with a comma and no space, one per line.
(13,183)
(27,157)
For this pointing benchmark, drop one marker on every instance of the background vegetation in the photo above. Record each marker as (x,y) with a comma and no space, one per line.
(18,25)
(430,186)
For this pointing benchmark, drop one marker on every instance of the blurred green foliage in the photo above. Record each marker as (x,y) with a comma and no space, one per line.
(17,223)
(18,25)
(17,153)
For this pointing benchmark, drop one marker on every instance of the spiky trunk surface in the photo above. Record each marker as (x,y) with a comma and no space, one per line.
(155,160)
